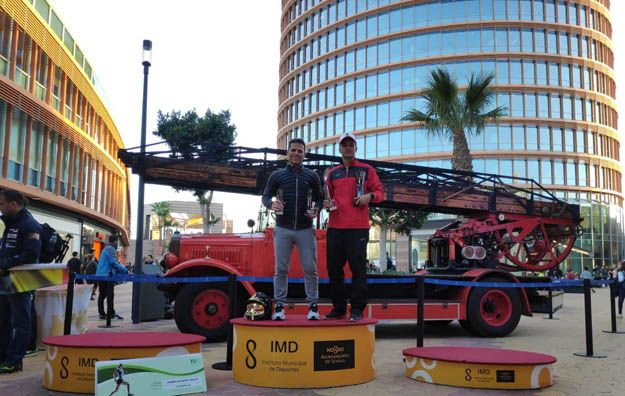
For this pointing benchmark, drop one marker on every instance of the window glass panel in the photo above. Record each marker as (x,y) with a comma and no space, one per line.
(518,137)
(516,105)
(539,41)
(555,106)
(490,137)
(515,72)
(539,13)
(541,73)
(505,137)
(545,172)
(407,137)
(500,9)
(488,40)
(501,40)
(556,136)
(395,143)
(531,138)
(530,105)
(514,40)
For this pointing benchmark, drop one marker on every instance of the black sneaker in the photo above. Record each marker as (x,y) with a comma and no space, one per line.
(355,316)
(334,314)
(117,317)
(102,317)
(10,368)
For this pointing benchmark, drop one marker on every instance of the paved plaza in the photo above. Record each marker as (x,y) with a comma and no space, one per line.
(573,375)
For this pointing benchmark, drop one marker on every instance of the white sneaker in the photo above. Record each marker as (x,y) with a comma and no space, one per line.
(619,316)
(278,313)
(313,312)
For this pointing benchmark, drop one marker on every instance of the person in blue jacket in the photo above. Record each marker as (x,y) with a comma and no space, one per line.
(107,266)
(21,244)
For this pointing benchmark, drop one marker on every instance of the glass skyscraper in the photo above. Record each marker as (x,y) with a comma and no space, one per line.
(360,65)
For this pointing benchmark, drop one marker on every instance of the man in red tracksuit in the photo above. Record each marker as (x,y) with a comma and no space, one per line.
(348,228)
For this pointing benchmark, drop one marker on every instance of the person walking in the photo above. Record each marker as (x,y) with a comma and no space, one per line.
(299,201)
(352,185)
(108,266)
(21,244)
(620,288)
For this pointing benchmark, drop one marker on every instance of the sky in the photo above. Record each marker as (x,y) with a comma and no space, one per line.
(217,54)
(206,54)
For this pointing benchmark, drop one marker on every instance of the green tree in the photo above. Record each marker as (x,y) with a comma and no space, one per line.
(452,114)
(188,134)
(400,221)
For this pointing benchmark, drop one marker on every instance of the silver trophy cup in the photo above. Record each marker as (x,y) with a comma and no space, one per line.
(360,183)
(326,195)
(310,203)
(280,197)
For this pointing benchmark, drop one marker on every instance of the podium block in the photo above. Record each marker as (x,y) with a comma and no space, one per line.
(300,353)
(483,368)
(70,360)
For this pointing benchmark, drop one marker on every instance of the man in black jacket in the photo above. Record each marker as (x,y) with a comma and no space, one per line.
(21,244)
(299,202)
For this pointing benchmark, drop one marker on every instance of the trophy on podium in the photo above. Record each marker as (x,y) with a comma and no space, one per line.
(360,184)
(326,195)
(279,197)
(311,210)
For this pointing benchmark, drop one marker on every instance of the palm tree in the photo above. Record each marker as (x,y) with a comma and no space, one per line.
(452,114)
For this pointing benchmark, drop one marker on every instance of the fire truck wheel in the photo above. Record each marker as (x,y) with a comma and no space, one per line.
(494,312)
(203,309)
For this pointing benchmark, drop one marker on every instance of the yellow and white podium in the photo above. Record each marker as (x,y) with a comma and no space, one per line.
(300,353)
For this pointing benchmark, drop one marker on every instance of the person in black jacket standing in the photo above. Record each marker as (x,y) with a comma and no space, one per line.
(21,244)
(75,265)
(299,199)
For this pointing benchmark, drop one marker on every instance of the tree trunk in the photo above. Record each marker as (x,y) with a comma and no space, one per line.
(205,205)
(382,258)
(461,157)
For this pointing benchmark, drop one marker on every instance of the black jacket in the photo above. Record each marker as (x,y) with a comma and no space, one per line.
(296,181)
(21,240)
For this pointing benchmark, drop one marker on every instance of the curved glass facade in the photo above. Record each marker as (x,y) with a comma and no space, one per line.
(360,65)
(58,142)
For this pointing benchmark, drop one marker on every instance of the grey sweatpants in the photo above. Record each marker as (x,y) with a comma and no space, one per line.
(283,241)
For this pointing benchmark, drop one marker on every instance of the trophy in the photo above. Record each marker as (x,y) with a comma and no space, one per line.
(360,183)
(310,204)
(326,194)
(279,197)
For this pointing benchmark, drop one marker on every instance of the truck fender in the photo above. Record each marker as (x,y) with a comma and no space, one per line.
(198,267)
(484,274)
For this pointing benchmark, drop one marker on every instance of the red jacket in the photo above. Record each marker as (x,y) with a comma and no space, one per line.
(341,183)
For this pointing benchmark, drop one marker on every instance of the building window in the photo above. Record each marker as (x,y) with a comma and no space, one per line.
(16,145)
(35,155)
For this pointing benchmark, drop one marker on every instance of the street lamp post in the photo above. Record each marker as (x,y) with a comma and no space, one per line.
(136,287)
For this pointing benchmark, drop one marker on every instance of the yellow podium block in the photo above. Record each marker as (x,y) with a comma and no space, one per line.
(483,368)
(299,353)
(70,360)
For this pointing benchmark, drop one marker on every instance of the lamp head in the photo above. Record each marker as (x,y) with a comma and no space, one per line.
(146,57)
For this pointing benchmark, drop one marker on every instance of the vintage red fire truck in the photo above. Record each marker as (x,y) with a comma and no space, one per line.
(507,225)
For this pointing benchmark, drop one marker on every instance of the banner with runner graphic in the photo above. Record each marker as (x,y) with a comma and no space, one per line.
(155,376)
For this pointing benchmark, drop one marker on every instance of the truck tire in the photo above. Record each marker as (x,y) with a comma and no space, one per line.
(203,309)
(494,312)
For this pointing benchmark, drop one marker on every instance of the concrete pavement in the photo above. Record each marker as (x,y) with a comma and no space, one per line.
(573,375)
